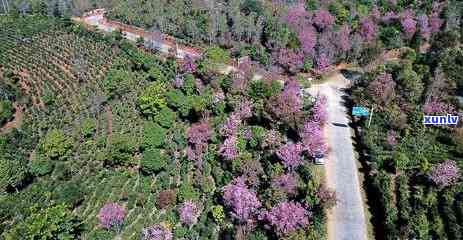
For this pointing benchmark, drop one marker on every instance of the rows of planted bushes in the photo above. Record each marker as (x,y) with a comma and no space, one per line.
(160,149)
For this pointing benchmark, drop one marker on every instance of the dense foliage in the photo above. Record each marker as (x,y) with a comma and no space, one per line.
(141,146)
(119,142)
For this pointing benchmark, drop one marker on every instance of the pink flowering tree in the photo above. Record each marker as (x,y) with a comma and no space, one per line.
(156,232)
(435,105)
(231,125)
(296,15)
(368,29)
(445,174)
(188,65)
(287,105)
(343,38)
(326,196)
(382,88)
(286,183)
(290,155)
(111,215)
(423,24)
(228,148)
(319,113)
(290,60)
(189,213)
(286,217)
(312,138)
(242,201)
(308,38)
(391,138)
(322,19)
(197,136)
(408,23)
(323,62)
(435,22)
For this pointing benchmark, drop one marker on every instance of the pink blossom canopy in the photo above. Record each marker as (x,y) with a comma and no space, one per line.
(111,215)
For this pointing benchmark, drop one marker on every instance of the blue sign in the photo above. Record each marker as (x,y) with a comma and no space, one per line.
(359,111)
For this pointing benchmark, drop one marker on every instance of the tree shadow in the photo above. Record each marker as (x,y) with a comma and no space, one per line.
(372,193)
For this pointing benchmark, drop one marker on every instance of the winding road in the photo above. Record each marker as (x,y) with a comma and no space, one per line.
(346,221)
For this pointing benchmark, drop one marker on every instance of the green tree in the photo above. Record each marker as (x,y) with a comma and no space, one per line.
(117,82)
(55,145)
(55,222)
(12,172)
(153,160)
(6,111)
(153,135)
(121,150)
(152,99)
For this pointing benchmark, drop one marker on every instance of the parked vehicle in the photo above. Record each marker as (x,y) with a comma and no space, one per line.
(319,158)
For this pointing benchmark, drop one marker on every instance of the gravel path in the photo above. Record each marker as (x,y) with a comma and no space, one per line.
(346,220)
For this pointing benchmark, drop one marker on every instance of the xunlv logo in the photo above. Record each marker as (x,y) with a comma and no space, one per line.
(440,120)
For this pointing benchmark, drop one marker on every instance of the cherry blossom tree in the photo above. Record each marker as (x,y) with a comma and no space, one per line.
(296,15)
(445,174)
(368,29)
(198,133)
(290,155)
(423,23)
(319,113)
(189,213)
(391,138)
(156,232)
(286,183)
(323,62)
(231,125)
(343,38)
(322,19)
(111,215)
(408,23)
(312,138)
(308,38)
(382,88)
(286,217)
(242,201)
(228,149)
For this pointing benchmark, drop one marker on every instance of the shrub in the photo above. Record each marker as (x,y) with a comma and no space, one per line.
(152,99)
(55,145)
(70,193)
(87,127)
(165,198)
(153,135)
(153,160)
(117,82)
(218,214)
(40,165)
(12,172)
(187,192)
(165,117)
(121,150)
(6,111)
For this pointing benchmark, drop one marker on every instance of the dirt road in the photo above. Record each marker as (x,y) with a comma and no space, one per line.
(346,220)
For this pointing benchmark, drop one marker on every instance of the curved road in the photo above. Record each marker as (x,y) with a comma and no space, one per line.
(346,220)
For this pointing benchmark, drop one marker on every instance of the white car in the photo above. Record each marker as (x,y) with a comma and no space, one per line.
(319,158)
